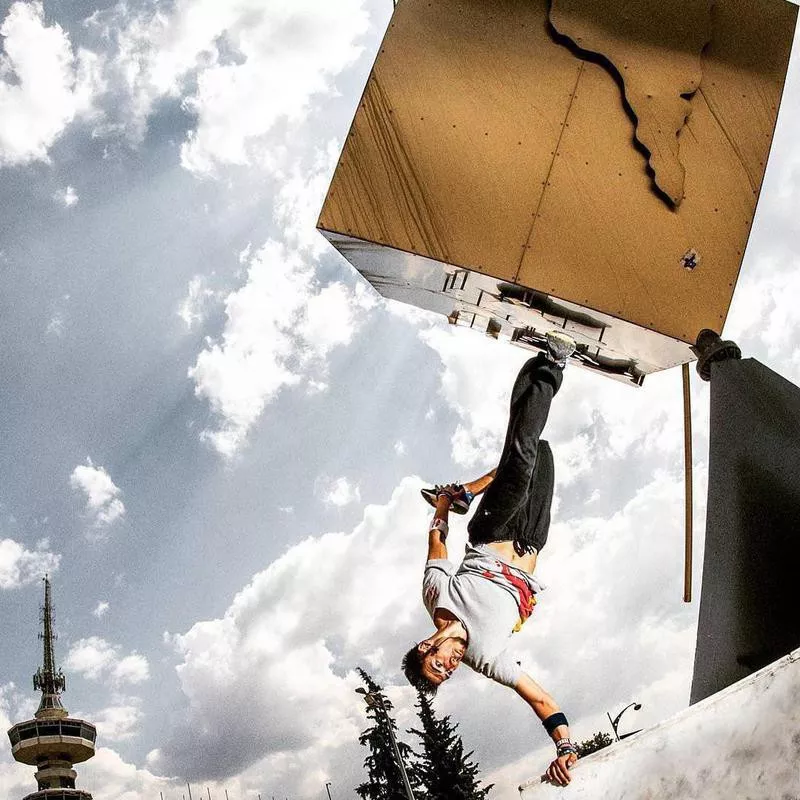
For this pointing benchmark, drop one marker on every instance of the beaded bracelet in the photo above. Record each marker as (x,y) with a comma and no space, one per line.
(565,747)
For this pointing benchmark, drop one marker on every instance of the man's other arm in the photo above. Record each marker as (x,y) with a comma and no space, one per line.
(437,535)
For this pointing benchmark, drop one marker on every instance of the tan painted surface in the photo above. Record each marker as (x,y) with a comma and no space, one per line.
(485,144)
(606,240)
(654,47)
(455,132)
(743,76)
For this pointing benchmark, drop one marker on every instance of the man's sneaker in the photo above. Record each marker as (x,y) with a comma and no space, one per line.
(559,347)
(710,348)
(460,498)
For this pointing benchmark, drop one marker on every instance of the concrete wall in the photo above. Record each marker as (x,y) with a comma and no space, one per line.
(748,605)
(742,743)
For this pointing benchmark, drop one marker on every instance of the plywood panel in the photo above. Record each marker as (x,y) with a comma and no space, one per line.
(743,75)
(597,211)
(604,239)
(484,142)
(455,134)
(654,47)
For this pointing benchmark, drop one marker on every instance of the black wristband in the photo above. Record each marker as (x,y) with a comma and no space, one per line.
(553,721)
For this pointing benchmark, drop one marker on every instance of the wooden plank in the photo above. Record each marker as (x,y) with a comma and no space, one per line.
(654,48)
(599,212)
(455,134)
(743,75)
(484,143)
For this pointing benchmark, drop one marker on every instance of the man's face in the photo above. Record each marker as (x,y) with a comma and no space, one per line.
(440,661)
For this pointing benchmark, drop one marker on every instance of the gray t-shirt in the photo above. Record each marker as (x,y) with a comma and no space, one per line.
(491,598)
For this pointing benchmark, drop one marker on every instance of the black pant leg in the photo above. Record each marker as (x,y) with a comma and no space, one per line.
(532,533)
(497,517)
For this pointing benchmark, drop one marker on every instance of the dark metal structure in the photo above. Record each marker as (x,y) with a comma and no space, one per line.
(748,608)
(52,741)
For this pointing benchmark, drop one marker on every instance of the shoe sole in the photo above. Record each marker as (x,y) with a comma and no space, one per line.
(560,345)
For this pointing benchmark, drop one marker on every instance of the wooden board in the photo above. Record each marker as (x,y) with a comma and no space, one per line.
(600,212)
(455,132)
(486,142)
(743,76)
(654,48)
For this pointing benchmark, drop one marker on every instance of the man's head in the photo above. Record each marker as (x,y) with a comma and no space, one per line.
(428,664)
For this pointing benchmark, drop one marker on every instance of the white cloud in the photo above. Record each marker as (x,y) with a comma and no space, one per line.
(20,567)
(68,197)
(300,197)
(280,324)
(242,68)
(55,327)
(195,305)
(399,448)
(15,704)
(107,774)
(96,659)
(15,779)
(132,668)
(117,723)
(761,321)
(43,86)
(337,492)
(266,674)
(478,396)
(59,315)
(103,504)
(90,657)
(288,53)
(101,609)
(592,418)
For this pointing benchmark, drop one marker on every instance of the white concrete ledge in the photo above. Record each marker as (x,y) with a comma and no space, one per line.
(741,742)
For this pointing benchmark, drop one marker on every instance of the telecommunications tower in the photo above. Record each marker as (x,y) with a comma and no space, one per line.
(52,741)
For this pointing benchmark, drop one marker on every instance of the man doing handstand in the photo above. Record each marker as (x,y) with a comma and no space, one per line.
(476,608)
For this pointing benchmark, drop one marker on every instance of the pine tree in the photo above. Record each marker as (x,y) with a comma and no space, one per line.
(444,770)
(600,740)
(384,780)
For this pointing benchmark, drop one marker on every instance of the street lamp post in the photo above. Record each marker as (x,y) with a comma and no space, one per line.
(615,722)
(374,700)
(328,789)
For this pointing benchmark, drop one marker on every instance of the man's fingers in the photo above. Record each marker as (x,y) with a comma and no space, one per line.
(563,764)
(558,773)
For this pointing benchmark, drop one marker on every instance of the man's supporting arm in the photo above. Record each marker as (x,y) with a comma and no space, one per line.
(547,710)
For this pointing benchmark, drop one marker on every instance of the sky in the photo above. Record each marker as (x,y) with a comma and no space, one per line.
(214,432)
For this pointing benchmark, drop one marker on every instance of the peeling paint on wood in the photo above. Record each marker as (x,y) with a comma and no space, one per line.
(654,47)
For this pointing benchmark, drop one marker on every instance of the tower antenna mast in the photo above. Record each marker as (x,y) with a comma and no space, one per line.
(49,681)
